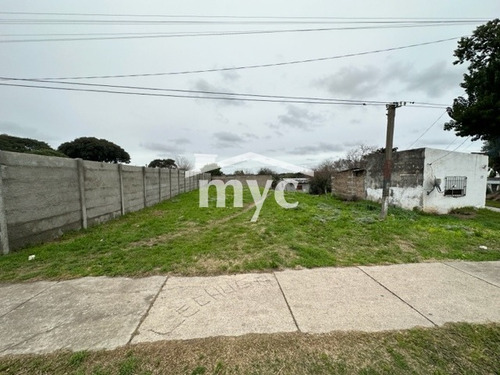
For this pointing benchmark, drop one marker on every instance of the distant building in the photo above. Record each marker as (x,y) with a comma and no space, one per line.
(303,184)
(428,179)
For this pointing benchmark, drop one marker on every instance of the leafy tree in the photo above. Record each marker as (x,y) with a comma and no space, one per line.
(266,171)
(27,145)
(239,172)
(217,172)
(163,163)
(91,148)
(492,148)
(478,114)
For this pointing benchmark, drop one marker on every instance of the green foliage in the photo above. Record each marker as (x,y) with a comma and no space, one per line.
(216,172)
(478,114)
(321,182)
(492,148)
(91,148)
(27,145)
(213,168)
(163,163)
(266,171)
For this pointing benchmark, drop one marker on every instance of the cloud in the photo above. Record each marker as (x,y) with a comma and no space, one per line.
(227,139)
(352,81)
(16,130)
(434,80)
(202,85)
(251,136)
(230,75)
(316,149)
(181,141)
(298,117)
(364,82)
(163,148)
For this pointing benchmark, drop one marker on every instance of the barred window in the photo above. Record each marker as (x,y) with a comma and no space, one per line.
(455,186)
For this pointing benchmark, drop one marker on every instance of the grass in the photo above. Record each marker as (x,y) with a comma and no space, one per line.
(493,203)
(178,237)
(452,349)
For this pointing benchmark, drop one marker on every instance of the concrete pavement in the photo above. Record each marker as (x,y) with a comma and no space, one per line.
(104,313)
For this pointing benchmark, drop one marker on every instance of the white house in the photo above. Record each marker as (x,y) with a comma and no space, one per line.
(428,179)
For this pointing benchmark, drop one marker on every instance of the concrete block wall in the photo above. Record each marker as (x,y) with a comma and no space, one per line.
(349,184)
(41,197)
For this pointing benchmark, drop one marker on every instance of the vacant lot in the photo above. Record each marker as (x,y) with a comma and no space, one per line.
(178,237)
(452,349)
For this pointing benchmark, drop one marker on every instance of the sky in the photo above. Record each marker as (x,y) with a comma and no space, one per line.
(157,127)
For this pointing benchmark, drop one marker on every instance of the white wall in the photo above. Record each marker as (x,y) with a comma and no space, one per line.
(440,164)
(404,197)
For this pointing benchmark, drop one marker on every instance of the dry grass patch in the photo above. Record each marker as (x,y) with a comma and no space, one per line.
(452,349)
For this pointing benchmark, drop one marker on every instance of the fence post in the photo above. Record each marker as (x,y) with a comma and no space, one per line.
(159,185)
(144,185)
(178,182)
(184,181)
(122,199)
(4,235)
(81,187)
(170,183)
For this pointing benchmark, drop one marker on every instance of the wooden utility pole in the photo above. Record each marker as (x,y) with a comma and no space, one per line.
(391,114)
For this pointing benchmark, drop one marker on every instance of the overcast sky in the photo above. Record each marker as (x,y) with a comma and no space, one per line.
(151,127)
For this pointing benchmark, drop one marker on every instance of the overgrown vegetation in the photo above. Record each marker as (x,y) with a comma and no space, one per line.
(178,237)
(27,146)
(452,349)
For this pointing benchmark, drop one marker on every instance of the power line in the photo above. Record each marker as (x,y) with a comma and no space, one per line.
(233,16)
(426,130)
(228,98)
(212,94)
(451,143)
(123,36)
(369,102)
(233,21)
(257,66)
(449,152)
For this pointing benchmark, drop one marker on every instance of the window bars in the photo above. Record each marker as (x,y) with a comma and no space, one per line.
(455,186)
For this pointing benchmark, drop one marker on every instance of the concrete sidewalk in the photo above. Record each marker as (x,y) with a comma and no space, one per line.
(105,313)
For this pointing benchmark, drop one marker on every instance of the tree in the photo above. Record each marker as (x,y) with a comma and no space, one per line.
(478,114)
(492,148)
(321,183)
(266,171)
(27,146)
(163,163)
(90,148)
(183,163)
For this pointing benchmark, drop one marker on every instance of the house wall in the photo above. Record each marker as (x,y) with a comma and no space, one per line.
(41,197)
(441,163)
(349,184)
(406,180)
